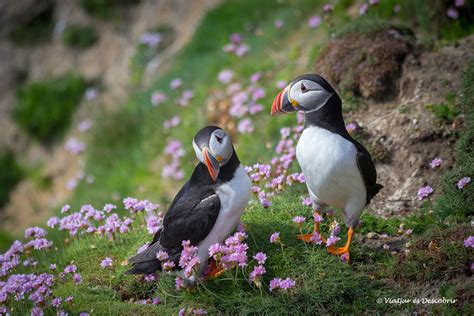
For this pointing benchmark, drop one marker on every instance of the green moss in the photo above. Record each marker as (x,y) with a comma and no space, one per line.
(453,201)
(44,108)
(80,36)
(10,174)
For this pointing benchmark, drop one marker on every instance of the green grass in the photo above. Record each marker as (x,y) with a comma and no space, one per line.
(454,202)
(44,108)
(79,36)
(10,174)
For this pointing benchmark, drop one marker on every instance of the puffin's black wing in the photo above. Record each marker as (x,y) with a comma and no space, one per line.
(367,170)
(191,216)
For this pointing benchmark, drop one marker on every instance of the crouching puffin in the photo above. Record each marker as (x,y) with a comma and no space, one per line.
(338,170)
(206,209)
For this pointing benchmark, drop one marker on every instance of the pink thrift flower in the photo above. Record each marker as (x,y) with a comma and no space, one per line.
(275,238)
(279,24)
(107,262)
(299,220)
(459,3)
(162,255)
(316,239)
(257,272)
(317,218)
(84,126)
(452,13)
(157,97)
(469,242)
(328,7)
(245,126)
(176,83)
(235,38)
(241,50)
(345,257)
(424,192)
(260,257)
(255,77)
(314,21)
(397,8)
(374,2)
(332,240)
(363,9)
(352,127)
(225,76)
(280,84)
(436,163)
(287,284)
(275,284)
(463,182)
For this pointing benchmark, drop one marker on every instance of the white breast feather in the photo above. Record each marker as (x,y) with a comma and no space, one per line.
(329,163)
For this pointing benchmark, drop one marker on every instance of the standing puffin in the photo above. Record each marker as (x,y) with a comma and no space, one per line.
(338,170)
(206,209)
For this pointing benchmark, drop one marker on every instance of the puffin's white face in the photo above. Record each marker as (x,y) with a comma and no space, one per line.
(215,151)
(307,95)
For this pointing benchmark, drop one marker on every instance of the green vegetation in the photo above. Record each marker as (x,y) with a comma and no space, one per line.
(453,201)
(44,109)
(36,31)
(79,36)
(10,174)
(104,9)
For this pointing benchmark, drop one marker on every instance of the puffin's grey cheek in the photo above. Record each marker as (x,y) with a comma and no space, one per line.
(319,98)
(198,152)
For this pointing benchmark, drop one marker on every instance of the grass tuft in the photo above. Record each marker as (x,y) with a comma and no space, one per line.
(44,108)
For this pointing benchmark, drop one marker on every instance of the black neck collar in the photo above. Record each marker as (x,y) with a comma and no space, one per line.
(328,117)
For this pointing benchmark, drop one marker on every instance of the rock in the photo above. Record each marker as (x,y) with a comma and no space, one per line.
(14,13)
(367,65)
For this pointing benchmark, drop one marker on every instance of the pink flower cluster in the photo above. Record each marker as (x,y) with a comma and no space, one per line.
(174,150)
(232,253)
(189,259)
(74,146)
(236,46)
(269,180)
(283,284)
(244,100)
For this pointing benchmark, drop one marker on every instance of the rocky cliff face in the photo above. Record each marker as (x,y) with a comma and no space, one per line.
(106,62)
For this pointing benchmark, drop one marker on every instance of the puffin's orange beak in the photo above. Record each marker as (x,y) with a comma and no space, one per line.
(211,163)
(277,103)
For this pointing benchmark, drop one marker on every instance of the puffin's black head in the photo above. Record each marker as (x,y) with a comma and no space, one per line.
(213,147)
(306,93)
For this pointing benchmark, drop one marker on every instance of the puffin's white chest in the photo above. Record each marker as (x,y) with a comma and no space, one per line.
(234,196)
(329,164)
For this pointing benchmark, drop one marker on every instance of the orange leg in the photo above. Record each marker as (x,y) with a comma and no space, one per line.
(307,237)
(343,251)
(215,270)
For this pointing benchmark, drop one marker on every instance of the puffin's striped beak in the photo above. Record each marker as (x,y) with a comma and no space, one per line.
(211,163)
(281,104)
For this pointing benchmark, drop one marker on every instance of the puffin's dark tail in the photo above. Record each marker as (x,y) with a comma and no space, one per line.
(148,267)
(146,262)
(376,188)
(372,191)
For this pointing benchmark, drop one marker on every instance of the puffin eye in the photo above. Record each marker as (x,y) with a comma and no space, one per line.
(303,88)
(219,139)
